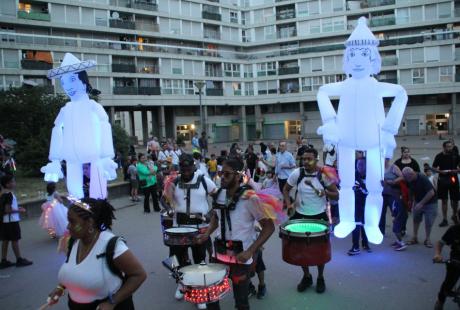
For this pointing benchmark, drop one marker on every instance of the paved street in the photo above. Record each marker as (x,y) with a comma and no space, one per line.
(384,279)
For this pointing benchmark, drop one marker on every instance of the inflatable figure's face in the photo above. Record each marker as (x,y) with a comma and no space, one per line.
(72,85)
(360,63)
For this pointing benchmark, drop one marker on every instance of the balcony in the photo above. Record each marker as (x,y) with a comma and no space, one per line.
(210,15)
(290,70)
(379,21)
(148,69)
(149,90)
(389,80)
(389,61)
(143,5)
(125,90)
(120,23)
(211,35)
(286,34)
(214,92)
(375,3)
(285,15)
(457,77)
(128,68)
(30,64)
(34,15)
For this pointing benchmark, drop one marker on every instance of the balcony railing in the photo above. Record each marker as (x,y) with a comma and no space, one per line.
(211,35)
(149,90)
(374,3)
(214,92)
(389,80)
(287,34)
(382,21)
(290,70)
(31,64)
(125,90)
(213,73)
(389,61)
(119,23)
(34,15)
(143,5)
(285,15)
(129,68)
(290,90)
(148,27)
(210,15)
(150,69)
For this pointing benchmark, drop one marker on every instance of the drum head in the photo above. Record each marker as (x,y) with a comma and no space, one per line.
(306,228)
(181,230)
(203,274)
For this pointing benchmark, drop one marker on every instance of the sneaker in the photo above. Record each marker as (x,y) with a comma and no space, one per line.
(261,292)
(179,295)
(443,223)
(367,249)
(354,251)
(401,246)
(395,244)
(305,283)
(320,285)
(201,306)
(5,264)
(252,290)
(21,262)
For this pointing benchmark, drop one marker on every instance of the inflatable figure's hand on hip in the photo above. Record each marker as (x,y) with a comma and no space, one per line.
(109,168)
(388,143)
(52,171)
(330,132)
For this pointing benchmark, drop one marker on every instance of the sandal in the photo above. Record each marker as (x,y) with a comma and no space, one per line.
(412,242)
(428,244)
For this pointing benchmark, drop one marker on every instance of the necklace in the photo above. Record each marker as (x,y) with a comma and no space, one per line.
(82,254)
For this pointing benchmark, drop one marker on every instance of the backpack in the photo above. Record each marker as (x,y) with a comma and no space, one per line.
(108,254)
(303,174)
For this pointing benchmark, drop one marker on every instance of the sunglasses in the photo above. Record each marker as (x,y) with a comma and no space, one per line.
(228,174)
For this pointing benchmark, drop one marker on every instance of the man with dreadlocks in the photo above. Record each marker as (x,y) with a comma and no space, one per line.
(237,207)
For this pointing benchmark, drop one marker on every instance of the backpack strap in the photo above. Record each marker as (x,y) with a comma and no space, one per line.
(69,248)
(203,181)
(301,176)
(108,254)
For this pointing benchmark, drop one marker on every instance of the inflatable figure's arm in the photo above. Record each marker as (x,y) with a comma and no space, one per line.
(106,132)
(53,170)
(396,112)
(324,102)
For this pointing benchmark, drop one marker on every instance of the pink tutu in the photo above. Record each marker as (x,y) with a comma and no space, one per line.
(54,218)
(273,191)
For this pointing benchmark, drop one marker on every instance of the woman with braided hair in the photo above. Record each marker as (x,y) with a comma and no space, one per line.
(100,271)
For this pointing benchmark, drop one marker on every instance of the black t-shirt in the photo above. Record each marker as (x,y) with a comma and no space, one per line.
(452,239)
(251,160)
(420,186)
(413,164)
(449,161)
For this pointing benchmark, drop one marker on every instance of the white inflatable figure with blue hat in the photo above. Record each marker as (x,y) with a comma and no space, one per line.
(360,123)
(81,134)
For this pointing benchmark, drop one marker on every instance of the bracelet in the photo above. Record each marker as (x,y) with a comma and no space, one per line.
(60,287)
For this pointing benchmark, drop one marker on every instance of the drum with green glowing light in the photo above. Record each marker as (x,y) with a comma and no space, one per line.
(305,242)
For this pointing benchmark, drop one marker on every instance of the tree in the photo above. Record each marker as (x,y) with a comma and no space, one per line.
(120,139)
(27,116)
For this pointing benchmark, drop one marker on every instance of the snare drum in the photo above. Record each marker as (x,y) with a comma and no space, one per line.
(305,242)
(204,283)
(180,236)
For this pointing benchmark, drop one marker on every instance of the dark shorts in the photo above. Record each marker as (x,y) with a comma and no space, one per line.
(10,231)
(448,189)
(260,265)
(134,184)
(320,216)
(429,211)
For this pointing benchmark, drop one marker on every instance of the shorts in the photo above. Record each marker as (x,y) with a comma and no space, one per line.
(258,263)
(430,211)
(447,188)
(321,216)
(10,231)
(134,184)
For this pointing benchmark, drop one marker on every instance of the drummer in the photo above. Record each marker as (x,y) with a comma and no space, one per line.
(312,189)
(189,201)
(236,244)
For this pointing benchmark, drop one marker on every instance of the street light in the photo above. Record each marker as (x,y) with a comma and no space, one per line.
(200,85)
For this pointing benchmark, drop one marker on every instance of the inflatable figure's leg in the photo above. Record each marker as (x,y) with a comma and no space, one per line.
(374,201)
(75,179)
(98,183)
(346,165)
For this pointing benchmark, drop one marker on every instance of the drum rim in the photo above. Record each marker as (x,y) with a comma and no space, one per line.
(189,230)
(284,231)
(226,276)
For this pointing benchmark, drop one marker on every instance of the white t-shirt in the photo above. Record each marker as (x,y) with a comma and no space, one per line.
(91,279)
(242,219)
(198,198)
(175,156)
(12,217)
(308,202)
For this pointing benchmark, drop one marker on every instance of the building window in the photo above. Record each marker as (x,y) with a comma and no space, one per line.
(176,66)
(173,87)
(188,87)
(232,70)
(306,84)
(334,78)
(418,76)
(236,88)
(249,89)
(317,82)
(445,74)
(266,68)
(269,32)
(234,17)
(248,71)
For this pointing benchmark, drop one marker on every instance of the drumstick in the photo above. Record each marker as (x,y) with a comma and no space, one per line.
(44,306)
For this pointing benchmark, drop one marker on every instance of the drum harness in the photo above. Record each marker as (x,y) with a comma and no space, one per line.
(196,218)
(304,174)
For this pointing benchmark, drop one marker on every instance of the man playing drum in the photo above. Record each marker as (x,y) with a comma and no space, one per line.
(188,194)
(238,208)
(312,189)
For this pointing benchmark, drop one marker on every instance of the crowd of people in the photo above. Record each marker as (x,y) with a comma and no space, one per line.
(237,195)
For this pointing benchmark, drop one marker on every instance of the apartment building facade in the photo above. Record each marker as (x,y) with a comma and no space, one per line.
(261,61)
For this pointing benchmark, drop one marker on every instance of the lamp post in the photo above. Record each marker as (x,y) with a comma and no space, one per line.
(200,85)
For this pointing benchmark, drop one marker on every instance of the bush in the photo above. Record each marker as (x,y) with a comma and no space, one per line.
(121,140)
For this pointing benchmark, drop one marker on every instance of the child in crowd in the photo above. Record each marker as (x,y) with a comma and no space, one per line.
(212,167)
(10,231)
(54,213)
(133,179)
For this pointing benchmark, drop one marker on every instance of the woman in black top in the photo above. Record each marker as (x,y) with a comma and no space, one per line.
(406,160)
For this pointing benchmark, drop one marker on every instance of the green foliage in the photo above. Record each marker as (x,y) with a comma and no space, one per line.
(120,139)
(180,140)
(27,116)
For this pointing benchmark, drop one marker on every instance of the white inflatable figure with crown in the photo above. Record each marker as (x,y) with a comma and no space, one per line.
(361,124)
(81,134)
